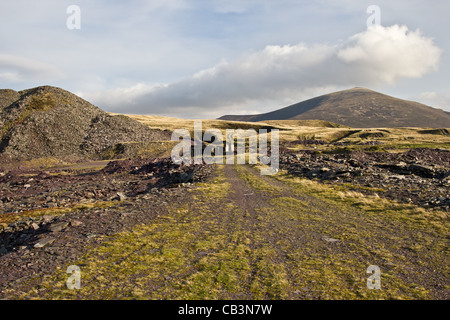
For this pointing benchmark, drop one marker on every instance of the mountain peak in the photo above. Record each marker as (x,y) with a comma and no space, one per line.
(358,107)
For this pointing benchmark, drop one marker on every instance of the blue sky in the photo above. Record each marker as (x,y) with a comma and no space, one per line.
(203,59)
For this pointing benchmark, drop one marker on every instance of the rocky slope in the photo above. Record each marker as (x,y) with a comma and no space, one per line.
(359,108)
(51,122)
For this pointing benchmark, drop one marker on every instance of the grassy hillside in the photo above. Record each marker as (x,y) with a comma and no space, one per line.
(358,107)
(293,131)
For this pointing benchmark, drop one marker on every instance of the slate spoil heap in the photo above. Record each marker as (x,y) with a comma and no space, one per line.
(50,122)
(418,176)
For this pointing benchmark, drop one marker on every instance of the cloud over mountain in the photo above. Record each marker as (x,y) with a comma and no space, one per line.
(375,56)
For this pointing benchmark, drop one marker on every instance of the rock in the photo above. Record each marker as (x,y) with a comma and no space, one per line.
(421,170)
(186,177)
(56,227)
(47,218)
(125,214)
(327,239)
(415,176)
(121,196)
(139,189)
(34,226)
(89,195)
(446,176)
(397,176)
(344,174)
(75,223)
(43,242)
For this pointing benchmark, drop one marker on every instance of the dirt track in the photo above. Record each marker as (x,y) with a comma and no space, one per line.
(241,236)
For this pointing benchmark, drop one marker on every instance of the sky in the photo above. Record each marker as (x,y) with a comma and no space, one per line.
(203,59)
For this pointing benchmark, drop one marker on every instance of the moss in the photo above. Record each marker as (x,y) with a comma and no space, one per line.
(339,135)
(349,186)
(288,202)
(15,217)
(256,182)
(44,102)
(43,163)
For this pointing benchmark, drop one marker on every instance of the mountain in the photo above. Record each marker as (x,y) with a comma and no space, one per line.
(51,122)
(360,108)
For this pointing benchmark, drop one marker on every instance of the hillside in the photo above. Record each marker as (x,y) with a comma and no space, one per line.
(51,122)
(359,108)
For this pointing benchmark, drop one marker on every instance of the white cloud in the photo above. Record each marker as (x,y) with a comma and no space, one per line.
(376,56)
(17,69)
(388,54)
(121,98)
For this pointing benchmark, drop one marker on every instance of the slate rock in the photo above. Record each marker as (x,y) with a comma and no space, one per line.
(44,242)
(57,227)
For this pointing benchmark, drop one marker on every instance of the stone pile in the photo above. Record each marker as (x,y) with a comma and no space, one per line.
(420,176)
